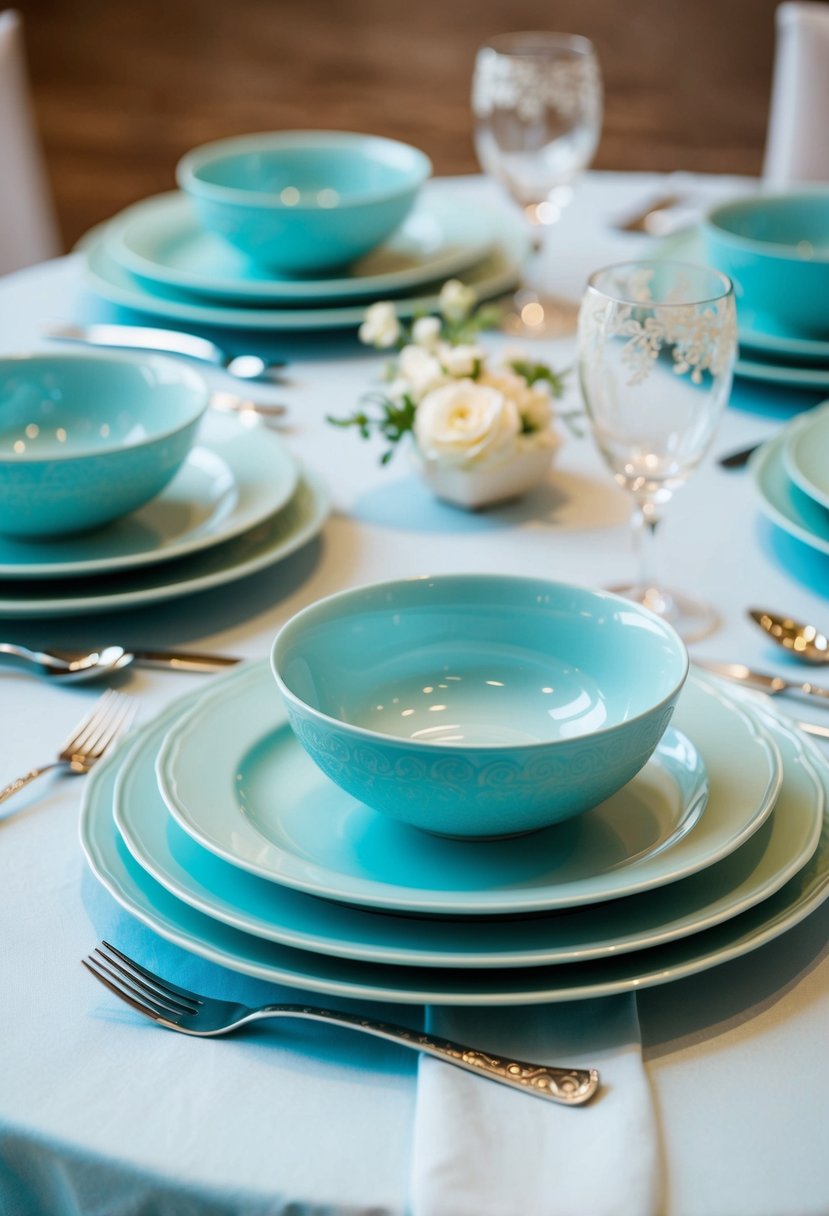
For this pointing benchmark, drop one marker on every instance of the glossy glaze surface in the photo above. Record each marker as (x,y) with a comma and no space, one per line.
(85,439)
(776,249)
(160,241)
(478,705)
(498,272)
(301,202)
(806,455)
(146,899)
(268,543)
(784,503)
(237,781)
(273,911)
(234,478)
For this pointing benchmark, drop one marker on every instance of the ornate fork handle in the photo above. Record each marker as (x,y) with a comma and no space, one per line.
(21,782)
(568,1086)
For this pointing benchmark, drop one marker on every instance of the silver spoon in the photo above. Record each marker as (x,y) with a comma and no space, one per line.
(801,640)
(74,666)
(70,669)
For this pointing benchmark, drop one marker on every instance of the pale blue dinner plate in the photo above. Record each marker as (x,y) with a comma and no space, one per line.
(773,337)
(160,241)
(272,540)
(236,780)
(235,477)
(806,454)
(752,873)
(495,274)
(791,375)
(782,501)
(148,901)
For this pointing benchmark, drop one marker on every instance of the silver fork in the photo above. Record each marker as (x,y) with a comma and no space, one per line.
(189,1013)
(94,734)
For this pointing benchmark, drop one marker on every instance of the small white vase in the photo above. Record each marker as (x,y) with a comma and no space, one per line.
(477,486)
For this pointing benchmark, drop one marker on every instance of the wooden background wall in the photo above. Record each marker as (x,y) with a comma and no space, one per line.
(123,87)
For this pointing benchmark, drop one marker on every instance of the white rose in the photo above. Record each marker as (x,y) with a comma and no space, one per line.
(536,408)
(465,423)
(462,360)
(533,401)
(426,332)
(381,327)
(456,300)
(421,371)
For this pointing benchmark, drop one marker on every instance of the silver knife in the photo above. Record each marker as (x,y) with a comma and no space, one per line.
(763,681)
(182,660)
(171,341)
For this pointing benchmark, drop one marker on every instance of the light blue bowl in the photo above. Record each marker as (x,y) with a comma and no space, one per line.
(478,705)
(85,439)
(304,202)
(776,249)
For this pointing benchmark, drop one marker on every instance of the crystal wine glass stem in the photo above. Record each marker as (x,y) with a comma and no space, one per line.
(646,520)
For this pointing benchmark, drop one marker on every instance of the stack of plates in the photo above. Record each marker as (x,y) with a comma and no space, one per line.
(215,829)
(239,503)
(770,352)
(154,258)
(773,354)
(791,472)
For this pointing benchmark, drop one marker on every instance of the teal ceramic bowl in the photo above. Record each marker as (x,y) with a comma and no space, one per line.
(776,249)
(478,706)
(304,202)
(85,439)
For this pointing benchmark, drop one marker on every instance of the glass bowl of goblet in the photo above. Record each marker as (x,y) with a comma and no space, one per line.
(537,106)
(657,342)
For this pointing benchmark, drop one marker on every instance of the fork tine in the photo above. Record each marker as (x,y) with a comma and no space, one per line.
(190,1001)
(95,969)
(168,1008)
(112,715)
(88,724)
(112,728)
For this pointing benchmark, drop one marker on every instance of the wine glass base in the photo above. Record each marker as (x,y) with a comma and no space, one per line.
(535,315)
(692,620)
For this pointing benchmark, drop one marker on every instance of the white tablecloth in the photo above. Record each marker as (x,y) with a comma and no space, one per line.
(100,1112)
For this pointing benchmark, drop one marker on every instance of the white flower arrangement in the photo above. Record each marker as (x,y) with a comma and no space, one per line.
(463,415)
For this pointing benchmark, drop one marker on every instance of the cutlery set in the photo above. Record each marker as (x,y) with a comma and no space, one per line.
(73,666)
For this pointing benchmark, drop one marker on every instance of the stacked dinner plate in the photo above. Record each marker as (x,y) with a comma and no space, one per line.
(214,827)
(791,473)
(155,258)
(239,503)
(772,353)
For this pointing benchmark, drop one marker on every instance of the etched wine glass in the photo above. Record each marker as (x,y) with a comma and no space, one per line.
(656,348)
(537,106)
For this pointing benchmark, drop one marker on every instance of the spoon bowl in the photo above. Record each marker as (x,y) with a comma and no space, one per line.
(801,640)
(69,667)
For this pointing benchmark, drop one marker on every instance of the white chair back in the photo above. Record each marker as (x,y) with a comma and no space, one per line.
(797,143)
(28,231)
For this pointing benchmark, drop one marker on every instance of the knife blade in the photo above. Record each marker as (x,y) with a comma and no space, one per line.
(182,660)
(169,341)
(774,685)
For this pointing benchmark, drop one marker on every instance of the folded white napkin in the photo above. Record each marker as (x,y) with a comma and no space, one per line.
(28,232)
(481,1149)
(797,142)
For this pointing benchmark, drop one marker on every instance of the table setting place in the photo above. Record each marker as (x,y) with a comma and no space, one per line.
(442,845)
